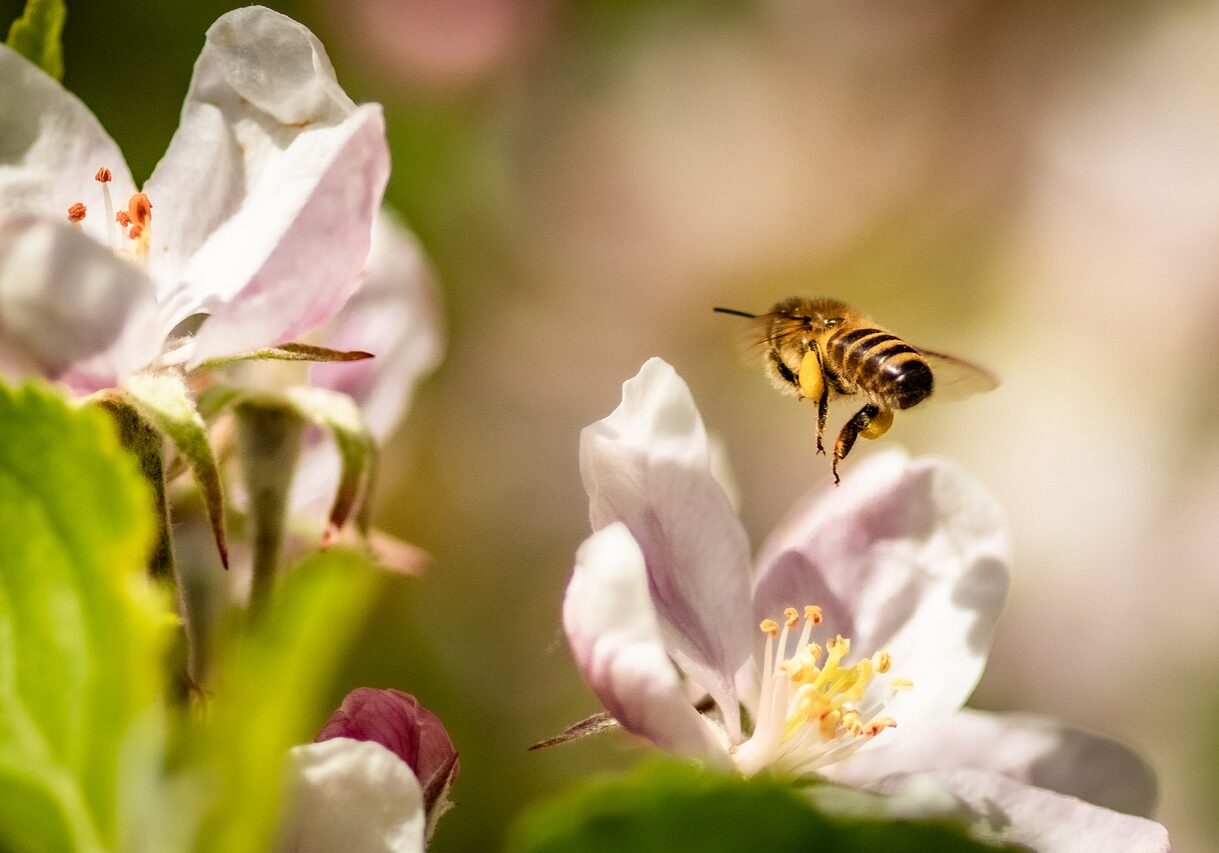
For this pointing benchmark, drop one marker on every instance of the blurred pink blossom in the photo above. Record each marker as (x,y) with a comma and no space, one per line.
(438,45)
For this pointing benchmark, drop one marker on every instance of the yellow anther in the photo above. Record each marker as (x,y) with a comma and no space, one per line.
(882,660)
(791,617)
(812,379)
(76,212)
(839,647)
(879,725)
(852,722)
(829,724)
(899,684)
(879,425)
(814,651)
(769,627)
(812,613)
(863,677)
(802,670)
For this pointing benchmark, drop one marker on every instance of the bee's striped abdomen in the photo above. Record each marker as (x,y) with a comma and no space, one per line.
(880,365)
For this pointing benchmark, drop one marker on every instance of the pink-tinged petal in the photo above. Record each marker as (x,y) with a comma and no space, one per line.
(394,314)
(907,556)
(1035,750)
(51,147)
(1042,820)
(70,309)
(398,722)
(616,640)
(648,466)
(346,794)
(263,204)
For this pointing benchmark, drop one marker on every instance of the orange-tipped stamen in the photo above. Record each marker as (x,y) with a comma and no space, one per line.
(104,176)
(77,212)
(139,213)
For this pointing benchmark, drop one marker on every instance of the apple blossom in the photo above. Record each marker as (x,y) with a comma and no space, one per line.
(376,778)
(875,603)
(257,220)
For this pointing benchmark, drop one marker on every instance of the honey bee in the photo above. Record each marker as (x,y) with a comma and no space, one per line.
(820,348)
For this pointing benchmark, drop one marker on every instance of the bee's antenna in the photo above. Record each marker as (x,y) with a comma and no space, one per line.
(735,312)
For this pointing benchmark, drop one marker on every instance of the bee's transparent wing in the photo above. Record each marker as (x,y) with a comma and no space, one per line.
(956,378)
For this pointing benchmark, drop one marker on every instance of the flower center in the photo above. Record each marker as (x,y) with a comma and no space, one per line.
(136,220)
(814,708)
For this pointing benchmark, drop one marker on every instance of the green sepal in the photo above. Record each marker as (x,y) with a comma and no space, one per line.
(287,352)
(217,397)
(38,35)
(338,414)
(671,807)
(165,401)
(82,629)
(148,445)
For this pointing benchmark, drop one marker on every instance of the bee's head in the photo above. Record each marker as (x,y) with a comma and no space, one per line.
(817,314)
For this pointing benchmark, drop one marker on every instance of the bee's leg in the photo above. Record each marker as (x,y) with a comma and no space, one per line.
(871,422)
(814,386)
(784,372)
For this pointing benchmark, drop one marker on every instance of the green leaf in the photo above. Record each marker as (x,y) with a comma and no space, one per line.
(671,807)
(287,352)
(164,399)
(82,632)
(37,35)
(271,679)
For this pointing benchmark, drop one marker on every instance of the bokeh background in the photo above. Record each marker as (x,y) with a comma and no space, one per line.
(1032,185)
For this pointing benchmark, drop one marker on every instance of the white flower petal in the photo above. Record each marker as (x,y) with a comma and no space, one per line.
(70,309)
(648,465)
(616,640)
(263,204)
(910,557)
(352,795)
(1036,750)
(1042,820)
(51,146)
(395,315)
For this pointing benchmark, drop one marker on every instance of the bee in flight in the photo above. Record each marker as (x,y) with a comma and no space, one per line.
(822,348)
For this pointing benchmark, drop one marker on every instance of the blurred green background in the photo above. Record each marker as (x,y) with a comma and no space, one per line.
(1031,185)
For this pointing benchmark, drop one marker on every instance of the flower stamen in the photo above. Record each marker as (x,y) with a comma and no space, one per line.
(139,223)
(76,213)
(104,176)
(814,708)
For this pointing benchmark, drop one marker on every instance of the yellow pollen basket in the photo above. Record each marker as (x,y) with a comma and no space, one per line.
(825,696)
(812,379)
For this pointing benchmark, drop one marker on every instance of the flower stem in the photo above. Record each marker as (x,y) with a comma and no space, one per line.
(269,442)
